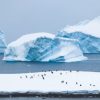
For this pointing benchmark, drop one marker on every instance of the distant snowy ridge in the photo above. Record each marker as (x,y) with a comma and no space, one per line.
(43,47)
(51,81)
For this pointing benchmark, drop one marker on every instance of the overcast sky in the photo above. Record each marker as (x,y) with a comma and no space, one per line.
(18,17)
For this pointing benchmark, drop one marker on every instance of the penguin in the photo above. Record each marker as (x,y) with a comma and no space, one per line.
(31,77)
(62,81)
(21,77)
(76,82)
(26,76)
(42,77)
(60,73)
(51,72)
(80,84)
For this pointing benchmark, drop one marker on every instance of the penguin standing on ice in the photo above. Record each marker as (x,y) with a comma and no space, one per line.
(42,77)
(51,72)
(60,73)
(20,77)
(80,84)
(76,82)
(31,77)
(26,76)
(62,81)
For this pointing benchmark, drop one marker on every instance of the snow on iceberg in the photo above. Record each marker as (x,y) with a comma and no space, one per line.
(2,42)
(43,47)
(51,81)
(90,27)
(87,34)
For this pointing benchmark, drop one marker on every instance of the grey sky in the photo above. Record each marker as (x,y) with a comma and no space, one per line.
(18,17)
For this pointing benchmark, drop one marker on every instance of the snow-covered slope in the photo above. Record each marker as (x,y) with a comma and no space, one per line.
(2,42)
(51,81)
(87,34)
(90,27)
(43,47)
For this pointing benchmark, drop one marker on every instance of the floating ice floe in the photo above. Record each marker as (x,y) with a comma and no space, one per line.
(78,82)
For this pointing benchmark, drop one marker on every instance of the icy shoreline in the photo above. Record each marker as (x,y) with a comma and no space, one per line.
(51,83)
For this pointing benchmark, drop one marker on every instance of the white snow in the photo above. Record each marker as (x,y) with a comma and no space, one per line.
(91,27)
(30,37)
(58,81)
(21,46)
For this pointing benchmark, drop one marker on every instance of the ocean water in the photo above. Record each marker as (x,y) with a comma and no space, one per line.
(92,64)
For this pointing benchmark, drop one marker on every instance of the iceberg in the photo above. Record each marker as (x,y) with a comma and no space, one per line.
(66,82)
(2,43)
(43,47)
(87,34)
(87,43)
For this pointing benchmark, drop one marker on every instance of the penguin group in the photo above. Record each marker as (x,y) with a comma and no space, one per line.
(44,74)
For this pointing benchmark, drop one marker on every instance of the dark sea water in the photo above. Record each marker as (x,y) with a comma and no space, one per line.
(30,98)
(92,64)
